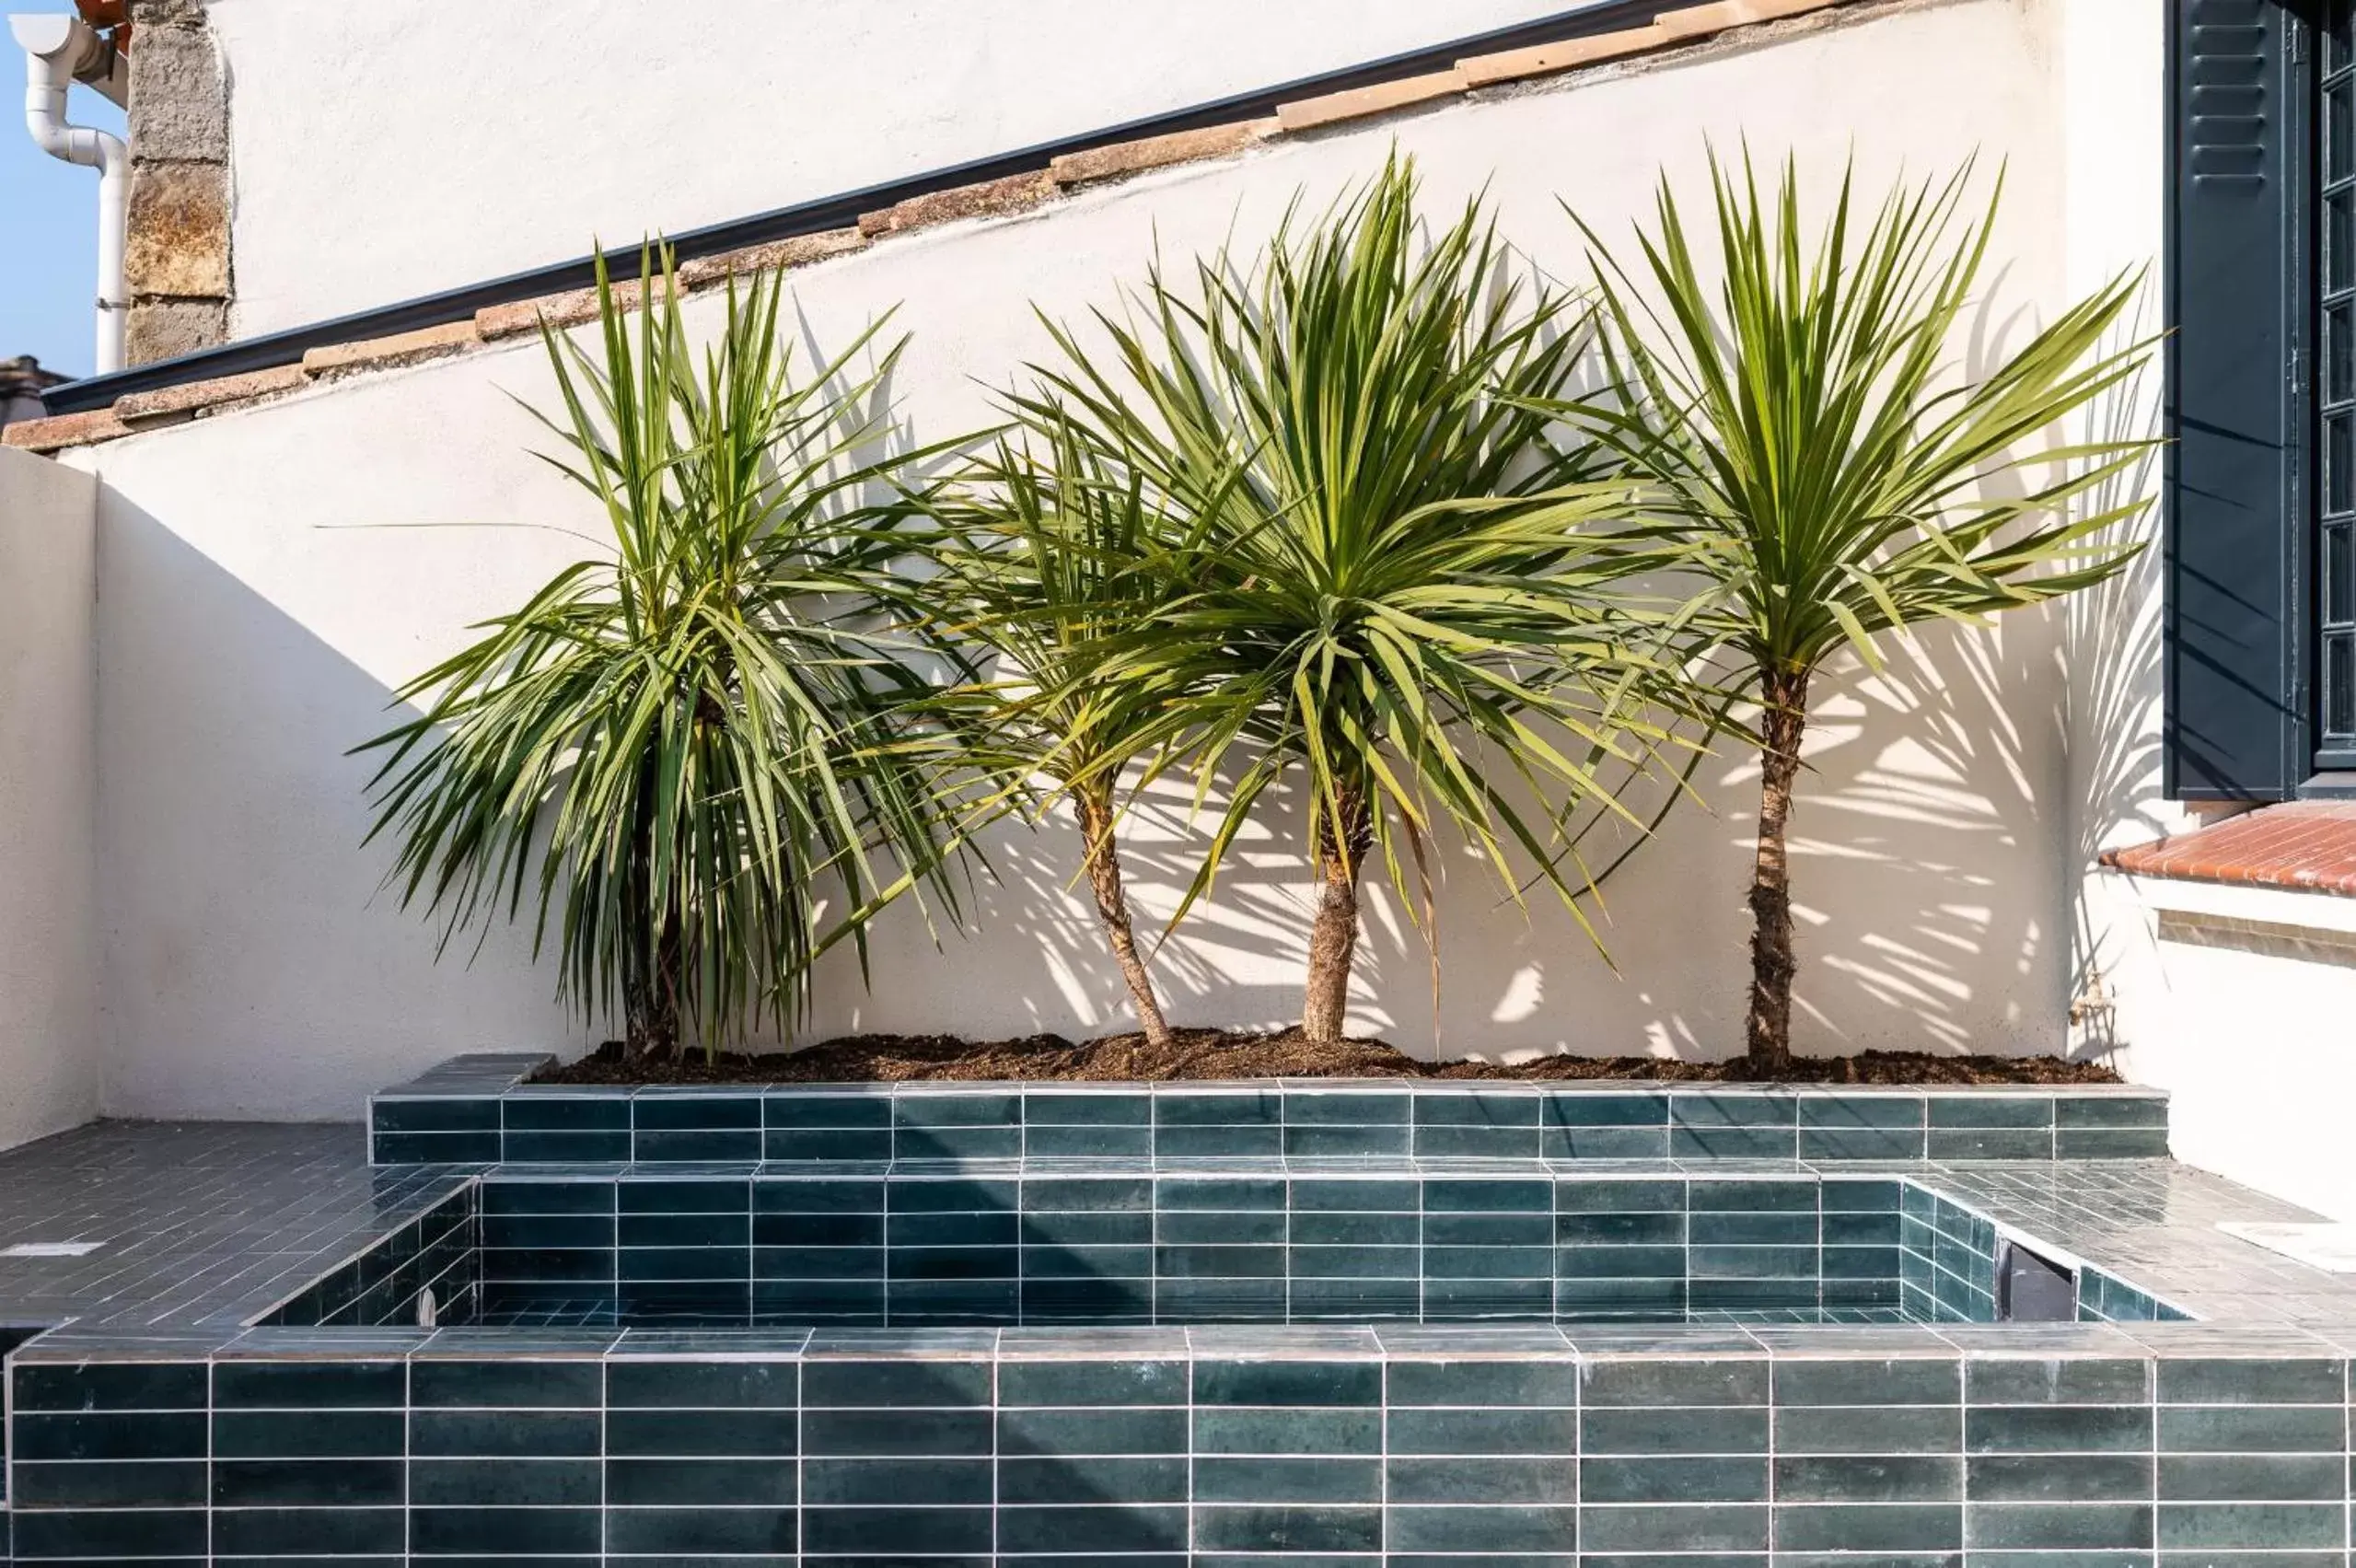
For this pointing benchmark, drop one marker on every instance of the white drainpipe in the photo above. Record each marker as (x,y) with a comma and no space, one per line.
(59,51)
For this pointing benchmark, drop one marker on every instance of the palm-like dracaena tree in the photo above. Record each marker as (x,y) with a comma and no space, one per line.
(1045,553)
(1800,422)
(1390,585)
(680,760)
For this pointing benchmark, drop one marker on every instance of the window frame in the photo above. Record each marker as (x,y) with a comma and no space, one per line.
(2329,768)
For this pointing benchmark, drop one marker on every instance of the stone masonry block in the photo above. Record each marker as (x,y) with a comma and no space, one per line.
(167,13)
(178,103)
(166,328)
(178,240)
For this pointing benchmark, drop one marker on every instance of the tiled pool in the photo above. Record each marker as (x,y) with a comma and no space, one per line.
(1185,1327)
(1006,1245)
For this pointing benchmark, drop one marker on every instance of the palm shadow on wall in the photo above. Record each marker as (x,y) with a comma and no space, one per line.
(2033,738)
(1951,800)
(251,956)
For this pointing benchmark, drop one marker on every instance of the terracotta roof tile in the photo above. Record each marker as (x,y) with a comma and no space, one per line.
(1157,152)
(989,198)
(169,404)
(1380,98)
(400,348)
(1545,59)
(60,431)
(2307,845)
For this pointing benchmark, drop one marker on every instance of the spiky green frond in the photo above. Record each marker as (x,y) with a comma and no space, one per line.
(1377,570)
(1793,397)
(686,756)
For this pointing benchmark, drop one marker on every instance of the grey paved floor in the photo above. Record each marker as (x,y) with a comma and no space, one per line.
(2153,1223)
(199,1224)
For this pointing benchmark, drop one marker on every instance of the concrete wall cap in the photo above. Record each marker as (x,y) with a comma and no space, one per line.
(567,309)
(1692,21)
(1158,152)
(401,348)
(775,255)
(575,306)
(139,410)
(1381,98)
(1545,59)
(989,198)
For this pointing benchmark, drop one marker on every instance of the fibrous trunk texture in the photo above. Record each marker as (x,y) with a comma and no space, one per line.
(650,969)
(1094,812)
(1773,962)
(1343,836)
(650,998)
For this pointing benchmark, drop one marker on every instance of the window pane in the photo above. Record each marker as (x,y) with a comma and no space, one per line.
(2339,685)
(2339,235)
(2338,355)
(2338,455)
(2339,579)
(2338,143)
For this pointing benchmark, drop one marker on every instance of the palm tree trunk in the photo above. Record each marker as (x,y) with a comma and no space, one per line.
(1342,839)
(650,998)
(1094,810)
(650,969)
(1772,961)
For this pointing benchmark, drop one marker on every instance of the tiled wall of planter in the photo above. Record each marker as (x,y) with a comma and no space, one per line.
(473,1111)
(2171,1445)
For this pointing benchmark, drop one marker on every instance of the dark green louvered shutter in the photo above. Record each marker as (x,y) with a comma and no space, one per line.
(2236,718)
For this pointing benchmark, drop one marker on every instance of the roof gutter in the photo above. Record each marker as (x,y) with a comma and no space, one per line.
(287,347)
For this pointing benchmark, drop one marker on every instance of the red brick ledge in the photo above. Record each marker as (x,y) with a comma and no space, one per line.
(2307,846)
(1671,30)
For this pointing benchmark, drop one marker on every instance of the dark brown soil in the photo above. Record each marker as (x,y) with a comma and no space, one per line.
(1237,1053)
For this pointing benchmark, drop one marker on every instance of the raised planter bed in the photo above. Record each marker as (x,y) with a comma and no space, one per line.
(483,1109)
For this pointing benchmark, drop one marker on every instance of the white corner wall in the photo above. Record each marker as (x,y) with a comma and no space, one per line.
(467,141)
(257,611)
(2245,1032)
(49,954)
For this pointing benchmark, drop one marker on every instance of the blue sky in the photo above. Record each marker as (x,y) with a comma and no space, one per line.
(49,224)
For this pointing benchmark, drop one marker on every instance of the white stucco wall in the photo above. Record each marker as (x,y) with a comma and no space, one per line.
(2247,1037)
(467,141)
(48,953)
(255,618)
